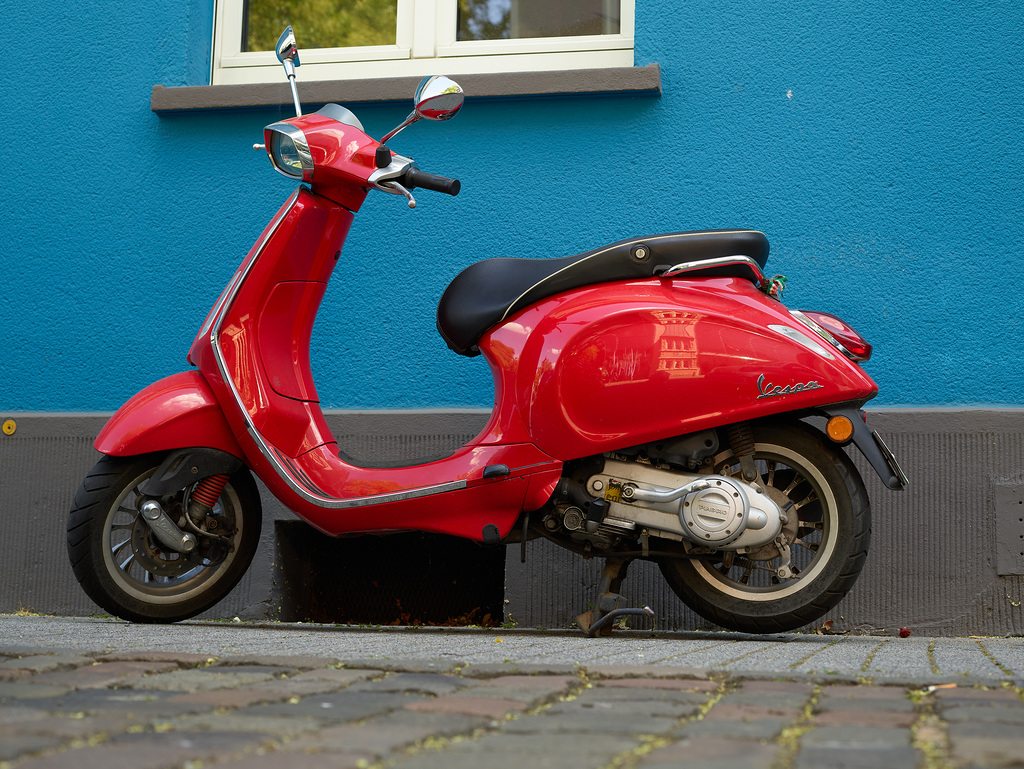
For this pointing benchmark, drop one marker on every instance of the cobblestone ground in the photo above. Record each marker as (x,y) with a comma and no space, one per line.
(155,709)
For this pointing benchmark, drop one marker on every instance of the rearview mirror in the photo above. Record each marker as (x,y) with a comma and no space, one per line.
(436,98)
(288,51)
(288,54)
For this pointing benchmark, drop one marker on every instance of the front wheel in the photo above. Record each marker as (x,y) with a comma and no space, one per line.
(123,567)
(827,533)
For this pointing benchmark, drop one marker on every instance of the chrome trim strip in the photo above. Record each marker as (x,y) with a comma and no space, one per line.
(638,241)
(297,473)
(337,503)
(824,333)
(237,280)
(306,488)
(801,339)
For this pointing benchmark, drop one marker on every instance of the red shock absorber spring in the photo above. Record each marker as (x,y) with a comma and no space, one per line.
(208,490)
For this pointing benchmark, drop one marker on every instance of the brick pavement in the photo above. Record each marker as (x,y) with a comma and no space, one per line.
(151,710)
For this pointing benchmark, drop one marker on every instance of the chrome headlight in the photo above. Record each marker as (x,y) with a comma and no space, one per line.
(289,151)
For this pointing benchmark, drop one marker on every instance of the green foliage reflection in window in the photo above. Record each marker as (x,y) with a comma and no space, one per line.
(319,23)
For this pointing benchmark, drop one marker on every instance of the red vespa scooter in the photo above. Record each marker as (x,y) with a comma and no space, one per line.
(650,398)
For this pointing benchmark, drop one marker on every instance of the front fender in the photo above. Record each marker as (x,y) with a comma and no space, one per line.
(177,412)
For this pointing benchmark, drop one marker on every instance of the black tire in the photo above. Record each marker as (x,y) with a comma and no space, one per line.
(832,526)
(122,567)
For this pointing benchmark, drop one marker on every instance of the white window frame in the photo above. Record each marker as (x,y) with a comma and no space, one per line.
(425,45)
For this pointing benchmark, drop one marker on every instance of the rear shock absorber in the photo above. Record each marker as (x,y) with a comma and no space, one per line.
(741,439)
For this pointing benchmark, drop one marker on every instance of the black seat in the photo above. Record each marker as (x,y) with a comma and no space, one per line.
(487,292)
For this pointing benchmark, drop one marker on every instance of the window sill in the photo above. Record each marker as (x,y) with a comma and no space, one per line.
(616,80)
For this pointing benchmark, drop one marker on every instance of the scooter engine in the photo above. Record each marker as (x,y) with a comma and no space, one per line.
(716,514)
(711,510)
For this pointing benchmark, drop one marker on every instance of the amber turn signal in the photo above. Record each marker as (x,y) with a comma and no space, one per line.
(839,429)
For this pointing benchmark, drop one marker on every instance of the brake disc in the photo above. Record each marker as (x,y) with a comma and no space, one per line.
(152,556)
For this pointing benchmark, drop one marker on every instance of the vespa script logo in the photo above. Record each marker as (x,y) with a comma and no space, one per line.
(770,390)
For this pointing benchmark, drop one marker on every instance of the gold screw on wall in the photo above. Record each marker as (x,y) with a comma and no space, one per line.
(9,426)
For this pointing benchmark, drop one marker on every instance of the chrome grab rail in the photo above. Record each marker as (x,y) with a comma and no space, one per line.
(685,268)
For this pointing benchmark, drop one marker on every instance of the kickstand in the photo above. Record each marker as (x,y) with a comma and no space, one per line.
(600,620)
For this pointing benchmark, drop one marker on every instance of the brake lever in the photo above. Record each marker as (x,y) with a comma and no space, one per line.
(397,189)
(384,178)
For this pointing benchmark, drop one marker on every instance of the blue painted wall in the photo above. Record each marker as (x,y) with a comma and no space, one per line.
(878,144)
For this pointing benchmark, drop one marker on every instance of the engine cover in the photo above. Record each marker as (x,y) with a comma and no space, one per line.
(712,510)
(716,515)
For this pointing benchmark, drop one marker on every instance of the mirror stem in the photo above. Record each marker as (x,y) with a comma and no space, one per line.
(295,91)
(413,117)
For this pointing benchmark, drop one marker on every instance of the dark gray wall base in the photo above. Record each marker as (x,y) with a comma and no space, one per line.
(943,559)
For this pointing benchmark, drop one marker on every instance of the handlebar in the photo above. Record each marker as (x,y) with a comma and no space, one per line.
(414,177)
(400,176)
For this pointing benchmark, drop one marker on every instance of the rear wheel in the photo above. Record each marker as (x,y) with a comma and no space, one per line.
(125,569)
(827,533)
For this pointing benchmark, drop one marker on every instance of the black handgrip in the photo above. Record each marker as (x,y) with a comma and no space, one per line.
(414,177)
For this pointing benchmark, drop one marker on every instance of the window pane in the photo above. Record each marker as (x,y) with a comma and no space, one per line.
(509,19)
(319,23)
